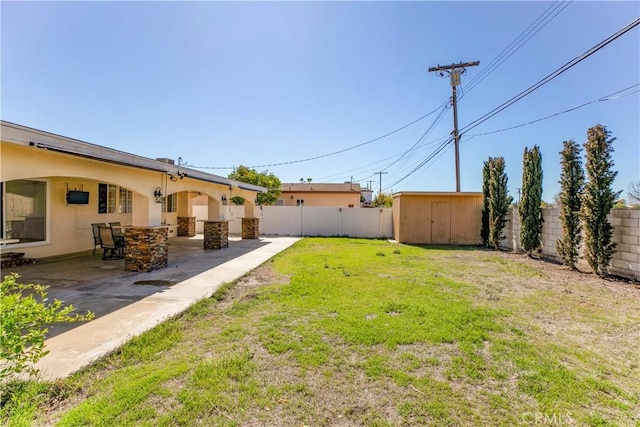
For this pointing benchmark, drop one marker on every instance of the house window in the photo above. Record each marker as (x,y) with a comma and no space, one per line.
(170,203)
(24,210)
(106,198)
(125,198)
(114,199)
(280,202)
(350,206)
(300,202)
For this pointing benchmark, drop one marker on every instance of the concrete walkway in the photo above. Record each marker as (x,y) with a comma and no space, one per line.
(81,345)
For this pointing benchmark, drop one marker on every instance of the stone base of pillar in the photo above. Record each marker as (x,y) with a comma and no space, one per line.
(187,226)
(216,234)
(146,248)
(250,228)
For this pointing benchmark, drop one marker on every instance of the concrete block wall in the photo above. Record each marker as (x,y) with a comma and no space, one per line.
(626,234)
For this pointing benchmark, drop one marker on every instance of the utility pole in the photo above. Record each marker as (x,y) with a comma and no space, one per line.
(369,184)
(454,71)
(380,173)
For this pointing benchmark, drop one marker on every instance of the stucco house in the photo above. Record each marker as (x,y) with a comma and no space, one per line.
(54,187)
(346,195)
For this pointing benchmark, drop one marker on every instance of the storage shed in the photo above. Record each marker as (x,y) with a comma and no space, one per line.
(437,218)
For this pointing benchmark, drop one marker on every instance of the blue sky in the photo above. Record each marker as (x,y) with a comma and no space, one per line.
(261,83)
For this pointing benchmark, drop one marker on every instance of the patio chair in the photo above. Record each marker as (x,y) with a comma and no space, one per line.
(96,235)
(117,229)
(111,244)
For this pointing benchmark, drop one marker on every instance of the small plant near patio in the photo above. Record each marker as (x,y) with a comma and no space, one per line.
(380,253)
(396,251)
(25,312)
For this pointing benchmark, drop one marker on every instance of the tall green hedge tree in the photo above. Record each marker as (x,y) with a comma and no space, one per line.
(499,201)
(571,185)
(484,231)
(598,198)
(530,208)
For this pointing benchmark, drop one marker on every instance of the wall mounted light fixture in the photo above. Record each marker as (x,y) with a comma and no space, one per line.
(157,193)
(224,199)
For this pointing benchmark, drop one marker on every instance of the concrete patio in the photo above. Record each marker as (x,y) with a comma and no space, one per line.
(126,304)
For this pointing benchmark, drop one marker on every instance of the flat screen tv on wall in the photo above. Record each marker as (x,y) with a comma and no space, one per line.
(78,197)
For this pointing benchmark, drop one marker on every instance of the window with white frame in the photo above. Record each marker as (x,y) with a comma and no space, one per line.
(125,200)
(300,202)
(24,210)
(170,203)
(114,199)
(106,198)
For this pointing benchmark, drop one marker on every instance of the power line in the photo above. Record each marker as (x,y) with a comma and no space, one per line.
(423,136)
(433,159)
(551,76)
(370,166)
(610,97)
(328,154)
(602,99)
(518,42)
(422,163)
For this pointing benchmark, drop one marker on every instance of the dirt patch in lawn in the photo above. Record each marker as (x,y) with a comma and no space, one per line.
(555,304)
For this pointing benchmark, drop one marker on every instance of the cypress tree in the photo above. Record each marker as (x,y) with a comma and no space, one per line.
(571,185)
(499,200)
(484,231)
(530,209)
(598,199)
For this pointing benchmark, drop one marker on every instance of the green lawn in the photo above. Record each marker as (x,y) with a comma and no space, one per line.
(365,332)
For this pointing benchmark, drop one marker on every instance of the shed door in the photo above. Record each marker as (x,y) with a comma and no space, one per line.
(440,222)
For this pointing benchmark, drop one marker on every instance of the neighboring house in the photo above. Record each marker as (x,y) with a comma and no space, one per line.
(53,188)
(345,195)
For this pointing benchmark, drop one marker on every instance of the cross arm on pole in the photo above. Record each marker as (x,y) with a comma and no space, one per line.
(454,66)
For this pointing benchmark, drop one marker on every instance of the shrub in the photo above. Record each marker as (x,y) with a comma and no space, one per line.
(25,312)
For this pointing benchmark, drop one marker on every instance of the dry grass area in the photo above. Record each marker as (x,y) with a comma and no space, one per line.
(345,332)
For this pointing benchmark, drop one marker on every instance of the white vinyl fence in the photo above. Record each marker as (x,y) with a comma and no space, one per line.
(308,221)
(318,221)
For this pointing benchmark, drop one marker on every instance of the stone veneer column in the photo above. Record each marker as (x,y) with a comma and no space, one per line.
(146,248)
(187,226)
(250,228)
(216,234)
